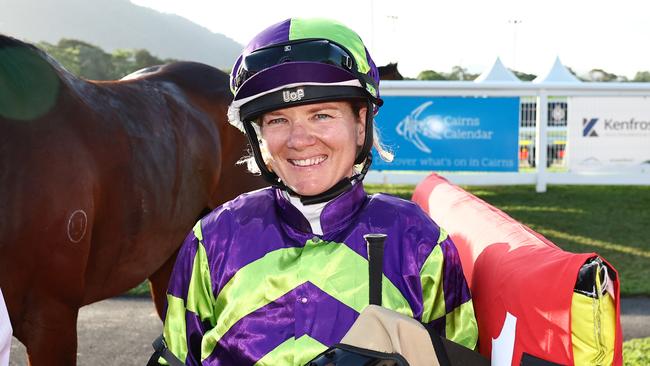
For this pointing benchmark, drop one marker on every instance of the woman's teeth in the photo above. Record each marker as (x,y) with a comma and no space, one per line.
(308,162)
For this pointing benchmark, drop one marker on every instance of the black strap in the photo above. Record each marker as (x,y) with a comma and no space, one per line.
(438,346)
(375,266)
(161,350)
(530,360)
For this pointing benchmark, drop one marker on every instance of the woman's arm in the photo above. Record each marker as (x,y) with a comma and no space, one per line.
(190,300)
(447,302)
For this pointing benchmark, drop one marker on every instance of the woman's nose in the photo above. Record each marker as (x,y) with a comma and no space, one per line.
(300,136)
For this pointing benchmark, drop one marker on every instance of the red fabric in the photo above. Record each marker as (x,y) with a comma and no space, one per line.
(511,268)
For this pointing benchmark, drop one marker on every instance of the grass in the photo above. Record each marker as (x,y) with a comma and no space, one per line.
(613,221)
(140,290)
(636,352)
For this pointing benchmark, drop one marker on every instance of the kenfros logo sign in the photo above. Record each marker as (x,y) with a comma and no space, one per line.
(420,125)
(614,127)
(626,125)
(588,125)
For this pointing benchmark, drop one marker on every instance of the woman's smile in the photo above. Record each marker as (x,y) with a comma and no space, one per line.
(308,162)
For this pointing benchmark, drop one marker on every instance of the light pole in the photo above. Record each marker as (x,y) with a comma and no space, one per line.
(514,23)
(372,24)
(392,19)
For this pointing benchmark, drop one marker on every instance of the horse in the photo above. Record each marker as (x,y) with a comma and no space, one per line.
(389,72)
(99,184)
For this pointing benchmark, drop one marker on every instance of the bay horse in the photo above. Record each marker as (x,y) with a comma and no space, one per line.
(99,184)
(389,72)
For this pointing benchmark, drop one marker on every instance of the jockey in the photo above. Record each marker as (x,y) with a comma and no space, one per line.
(276,276)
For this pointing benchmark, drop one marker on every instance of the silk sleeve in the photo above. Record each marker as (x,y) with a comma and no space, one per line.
(447,303)
(190,301)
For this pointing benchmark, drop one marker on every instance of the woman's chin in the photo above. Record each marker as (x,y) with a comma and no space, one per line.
(310,188)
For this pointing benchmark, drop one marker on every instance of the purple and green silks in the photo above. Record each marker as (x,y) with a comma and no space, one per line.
(253,285)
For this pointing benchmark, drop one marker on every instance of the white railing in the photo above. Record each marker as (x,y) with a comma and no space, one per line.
(540,177)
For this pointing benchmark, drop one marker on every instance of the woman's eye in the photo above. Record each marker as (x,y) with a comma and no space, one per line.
(274,121)
(322,116)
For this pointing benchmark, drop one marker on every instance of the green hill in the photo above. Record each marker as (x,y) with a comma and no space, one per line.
(116,24)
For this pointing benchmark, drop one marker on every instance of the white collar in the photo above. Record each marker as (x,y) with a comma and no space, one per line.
(311,212)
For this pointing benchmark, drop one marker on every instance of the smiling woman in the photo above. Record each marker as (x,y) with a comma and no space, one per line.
(278,275)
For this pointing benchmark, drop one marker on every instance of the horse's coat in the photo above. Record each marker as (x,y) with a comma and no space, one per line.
(99,184)
(389,72)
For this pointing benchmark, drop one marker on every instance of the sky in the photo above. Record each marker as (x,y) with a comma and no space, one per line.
(437,35)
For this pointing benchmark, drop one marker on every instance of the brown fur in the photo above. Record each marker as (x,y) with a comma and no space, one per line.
(142,158)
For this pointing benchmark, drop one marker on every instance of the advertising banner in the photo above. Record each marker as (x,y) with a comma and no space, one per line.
(450,133)
(609,134)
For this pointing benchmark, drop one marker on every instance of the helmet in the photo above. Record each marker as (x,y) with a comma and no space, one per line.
(302,61)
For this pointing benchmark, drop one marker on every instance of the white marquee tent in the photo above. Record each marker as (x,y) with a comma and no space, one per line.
(497,73)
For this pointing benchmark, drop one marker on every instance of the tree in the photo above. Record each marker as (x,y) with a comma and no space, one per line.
(94,63)
(67,57)
(430,75)
(91,62)
(81,58)
(603,76)
(524,76)
(460,73)
(642,76)
(145,59)
(123,63)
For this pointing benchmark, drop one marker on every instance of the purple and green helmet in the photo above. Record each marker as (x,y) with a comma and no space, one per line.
(301,61)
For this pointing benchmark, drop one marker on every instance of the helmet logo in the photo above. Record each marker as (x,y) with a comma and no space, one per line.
(289,96)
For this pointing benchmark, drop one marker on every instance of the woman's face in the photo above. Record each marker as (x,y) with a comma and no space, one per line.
(313,146)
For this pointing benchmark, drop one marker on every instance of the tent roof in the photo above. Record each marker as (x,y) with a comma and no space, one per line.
(497,73)
(557,74)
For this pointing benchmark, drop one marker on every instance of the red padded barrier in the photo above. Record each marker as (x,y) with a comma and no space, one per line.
(511,269)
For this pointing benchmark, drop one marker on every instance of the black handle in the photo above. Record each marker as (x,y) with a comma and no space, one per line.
(375,266)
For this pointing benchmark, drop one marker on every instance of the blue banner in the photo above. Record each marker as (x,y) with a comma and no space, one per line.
(450,133)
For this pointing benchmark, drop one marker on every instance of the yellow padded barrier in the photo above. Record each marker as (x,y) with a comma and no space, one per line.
(593,327)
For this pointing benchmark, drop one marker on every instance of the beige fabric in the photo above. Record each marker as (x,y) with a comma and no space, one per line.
(384,330)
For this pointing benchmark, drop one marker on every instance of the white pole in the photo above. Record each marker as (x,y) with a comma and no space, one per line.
(541,140)
(372,26)
(514,23)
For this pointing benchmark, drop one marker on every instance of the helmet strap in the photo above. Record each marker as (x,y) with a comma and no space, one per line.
(369,138)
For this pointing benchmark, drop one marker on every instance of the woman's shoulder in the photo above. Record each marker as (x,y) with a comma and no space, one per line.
(399,208)
(390,202)
(246,205)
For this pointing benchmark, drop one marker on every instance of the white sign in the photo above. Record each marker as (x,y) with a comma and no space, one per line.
(609,134)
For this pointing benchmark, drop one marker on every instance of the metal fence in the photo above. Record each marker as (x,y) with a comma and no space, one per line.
(556,133)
